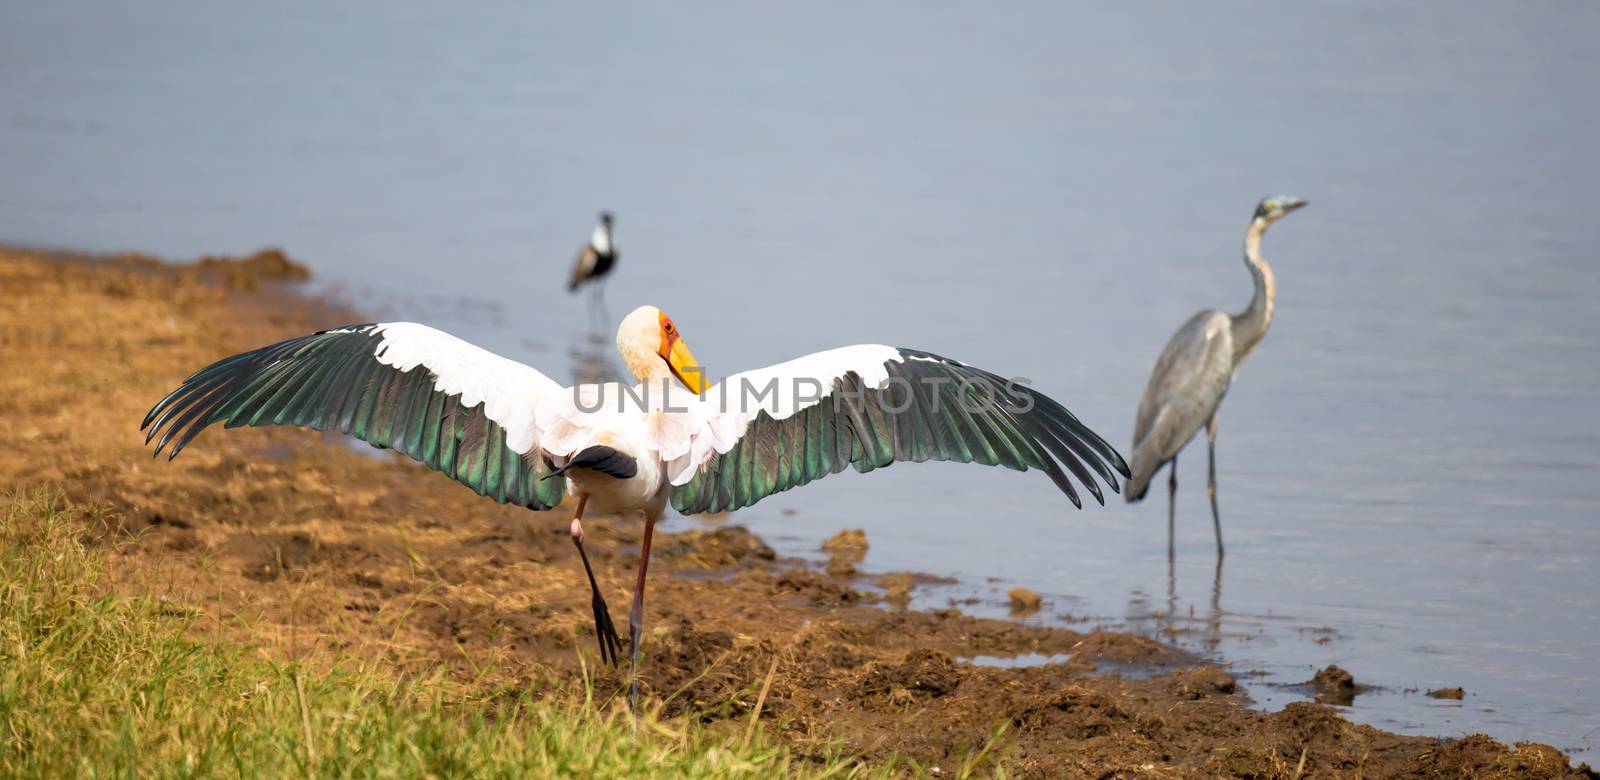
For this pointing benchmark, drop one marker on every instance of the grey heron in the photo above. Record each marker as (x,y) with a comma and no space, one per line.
(1193,374)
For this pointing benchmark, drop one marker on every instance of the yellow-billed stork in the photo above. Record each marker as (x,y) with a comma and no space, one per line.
(506,430)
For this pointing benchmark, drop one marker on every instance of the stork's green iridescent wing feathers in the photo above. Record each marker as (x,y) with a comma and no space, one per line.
(456,408)
(879,405)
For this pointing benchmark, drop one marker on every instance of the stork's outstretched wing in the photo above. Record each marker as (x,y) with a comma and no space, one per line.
(868,406)
(459,409)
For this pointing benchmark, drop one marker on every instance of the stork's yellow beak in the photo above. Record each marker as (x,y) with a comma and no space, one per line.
(685,367)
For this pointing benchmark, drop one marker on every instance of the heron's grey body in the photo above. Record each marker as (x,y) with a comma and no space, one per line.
(1183,393)
(1193,373)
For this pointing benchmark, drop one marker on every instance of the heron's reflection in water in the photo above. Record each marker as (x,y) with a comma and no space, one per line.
(1213,619)
(593,360)
(1181,623)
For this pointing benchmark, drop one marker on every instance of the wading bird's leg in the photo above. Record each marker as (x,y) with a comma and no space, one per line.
(594,312)
(600,299)
(1211,478)
(1172,592)
(1172,506)
(1216,604)
(604,631)
(636,616)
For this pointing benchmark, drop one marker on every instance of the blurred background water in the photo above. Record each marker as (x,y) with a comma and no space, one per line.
(1407,465)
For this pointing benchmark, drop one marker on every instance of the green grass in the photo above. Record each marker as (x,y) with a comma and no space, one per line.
(96,684)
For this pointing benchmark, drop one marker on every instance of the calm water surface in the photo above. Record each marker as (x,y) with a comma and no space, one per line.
(1408,463)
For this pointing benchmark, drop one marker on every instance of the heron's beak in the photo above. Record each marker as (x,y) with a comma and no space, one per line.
(685,367)
(1293,203)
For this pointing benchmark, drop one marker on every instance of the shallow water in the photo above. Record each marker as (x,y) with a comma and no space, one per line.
(1407,463)
(1018,661)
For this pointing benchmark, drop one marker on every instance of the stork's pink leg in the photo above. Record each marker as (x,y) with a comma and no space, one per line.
(636,616)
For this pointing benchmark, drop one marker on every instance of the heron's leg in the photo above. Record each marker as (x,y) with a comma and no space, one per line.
(636,616)
(1172,592)
(1172,505)
(1216,604)
(605,632)
(1211,478)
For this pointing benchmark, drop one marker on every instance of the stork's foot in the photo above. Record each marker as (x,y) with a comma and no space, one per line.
(606,632)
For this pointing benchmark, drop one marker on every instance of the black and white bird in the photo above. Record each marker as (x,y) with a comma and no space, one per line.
(594,263)
(514,435)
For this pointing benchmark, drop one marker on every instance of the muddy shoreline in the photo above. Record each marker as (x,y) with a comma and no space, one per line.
(292,542)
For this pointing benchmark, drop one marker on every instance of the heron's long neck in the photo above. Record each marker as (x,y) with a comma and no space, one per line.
(1251,324)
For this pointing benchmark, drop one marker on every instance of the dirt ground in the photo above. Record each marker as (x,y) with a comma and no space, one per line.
(294,542)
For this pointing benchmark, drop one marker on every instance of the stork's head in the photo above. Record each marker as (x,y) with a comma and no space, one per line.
(605,219)
(1274,207)
(652,348)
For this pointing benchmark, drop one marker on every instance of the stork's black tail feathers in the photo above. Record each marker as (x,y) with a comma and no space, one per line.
(606,460)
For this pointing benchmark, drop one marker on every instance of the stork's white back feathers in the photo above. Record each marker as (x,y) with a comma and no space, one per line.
(509,391)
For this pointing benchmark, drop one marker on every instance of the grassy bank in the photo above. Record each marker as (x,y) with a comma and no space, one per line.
(93,684)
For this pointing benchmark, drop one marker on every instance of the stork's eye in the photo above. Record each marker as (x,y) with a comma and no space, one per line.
(669,328)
